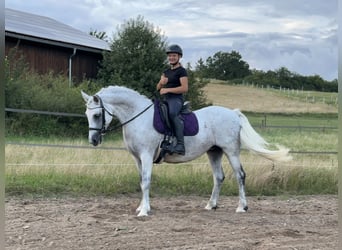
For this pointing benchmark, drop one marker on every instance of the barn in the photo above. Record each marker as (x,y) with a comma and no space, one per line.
(51,46)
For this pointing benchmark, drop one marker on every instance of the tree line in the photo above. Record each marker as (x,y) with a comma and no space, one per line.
(229,66)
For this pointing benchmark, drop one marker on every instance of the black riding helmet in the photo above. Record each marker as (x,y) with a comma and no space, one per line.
(174,48)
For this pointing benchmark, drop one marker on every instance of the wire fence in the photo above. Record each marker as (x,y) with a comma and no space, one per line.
(30,111)
(122,148)
(262,125)
(77,157)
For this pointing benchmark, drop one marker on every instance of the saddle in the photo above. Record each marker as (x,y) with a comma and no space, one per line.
(162,124)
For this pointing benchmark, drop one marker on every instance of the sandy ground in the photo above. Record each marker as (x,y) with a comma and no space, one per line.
(294,222)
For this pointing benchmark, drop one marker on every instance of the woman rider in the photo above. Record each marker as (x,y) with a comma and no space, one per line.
(172,85)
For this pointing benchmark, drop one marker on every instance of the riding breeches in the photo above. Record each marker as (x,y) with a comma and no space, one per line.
(175,105)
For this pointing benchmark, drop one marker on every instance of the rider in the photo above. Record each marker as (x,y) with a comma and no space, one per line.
(172,85)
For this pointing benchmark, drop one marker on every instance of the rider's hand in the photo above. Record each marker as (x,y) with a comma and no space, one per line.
(163,91)
(163,80)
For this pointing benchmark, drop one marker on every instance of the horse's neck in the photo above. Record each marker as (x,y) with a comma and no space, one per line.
(125,104)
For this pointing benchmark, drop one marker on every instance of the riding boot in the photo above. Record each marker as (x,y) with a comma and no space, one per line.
(179,133)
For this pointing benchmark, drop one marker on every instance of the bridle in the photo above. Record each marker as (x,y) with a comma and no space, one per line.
(103,129)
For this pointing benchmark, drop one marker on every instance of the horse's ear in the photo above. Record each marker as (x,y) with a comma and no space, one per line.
(85,96)
(96,99)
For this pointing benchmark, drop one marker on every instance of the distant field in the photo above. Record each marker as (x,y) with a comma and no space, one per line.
(263,100)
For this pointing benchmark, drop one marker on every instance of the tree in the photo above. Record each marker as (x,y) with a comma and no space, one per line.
(201,69)
(227,66)
(137,57)
(196,94)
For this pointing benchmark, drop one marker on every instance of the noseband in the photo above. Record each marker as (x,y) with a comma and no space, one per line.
(103,129)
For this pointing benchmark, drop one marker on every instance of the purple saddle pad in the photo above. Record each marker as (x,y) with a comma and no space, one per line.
(190,122)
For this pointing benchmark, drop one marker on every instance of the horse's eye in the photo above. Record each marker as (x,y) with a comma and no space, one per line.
(97,116)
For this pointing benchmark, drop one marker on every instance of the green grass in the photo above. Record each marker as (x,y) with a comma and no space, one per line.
(55,183)
(302,139)
(294,120)
(173,180)
(40,171)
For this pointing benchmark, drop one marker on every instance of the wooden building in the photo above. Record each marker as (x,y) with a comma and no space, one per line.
(51,46)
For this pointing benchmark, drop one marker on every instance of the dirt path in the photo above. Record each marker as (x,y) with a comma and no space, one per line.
(301,222)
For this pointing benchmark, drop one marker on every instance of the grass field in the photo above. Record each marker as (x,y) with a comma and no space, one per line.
(46,171)
(57,171)
(263,100)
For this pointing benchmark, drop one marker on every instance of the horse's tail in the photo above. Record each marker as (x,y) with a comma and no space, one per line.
(251,140)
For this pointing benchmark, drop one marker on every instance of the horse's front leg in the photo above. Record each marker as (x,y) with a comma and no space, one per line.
(139,167)
(145,182)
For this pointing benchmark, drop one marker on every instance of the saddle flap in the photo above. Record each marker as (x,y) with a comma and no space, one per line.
(164,115)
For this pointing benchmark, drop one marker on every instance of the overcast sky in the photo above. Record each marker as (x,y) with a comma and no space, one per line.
(300,35)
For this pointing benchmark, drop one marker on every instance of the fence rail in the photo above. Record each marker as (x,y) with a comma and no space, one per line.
(121,148)
(263,125)
(296,127)
(43,112)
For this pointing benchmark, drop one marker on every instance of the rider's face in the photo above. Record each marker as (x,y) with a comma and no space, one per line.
(173,58)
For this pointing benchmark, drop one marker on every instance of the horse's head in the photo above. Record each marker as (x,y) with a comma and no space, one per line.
(98,117)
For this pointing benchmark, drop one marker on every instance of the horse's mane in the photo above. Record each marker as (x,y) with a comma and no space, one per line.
(120,89)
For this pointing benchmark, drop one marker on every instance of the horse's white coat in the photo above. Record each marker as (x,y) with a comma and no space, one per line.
(223,128)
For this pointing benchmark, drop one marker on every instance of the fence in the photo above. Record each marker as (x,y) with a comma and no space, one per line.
(43,112)
(263,125)
(329,98)
(122,148)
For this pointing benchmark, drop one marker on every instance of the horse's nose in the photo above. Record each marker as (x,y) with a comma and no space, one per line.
(94,142)
(95,139)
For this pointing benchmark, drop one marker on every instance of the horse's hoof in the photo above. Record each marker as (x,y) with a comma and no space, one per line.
(141,214)
(242,210)
(209,207)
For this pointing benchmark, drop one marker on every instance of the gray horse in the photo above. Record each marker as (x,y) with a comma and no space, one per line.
(221,131)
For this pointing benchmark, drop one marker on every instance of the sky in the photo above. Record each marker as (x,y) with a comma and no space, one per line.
(300,35)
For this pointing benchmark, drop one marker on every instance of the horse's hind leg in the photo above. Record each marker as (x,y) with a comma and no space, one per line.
(240,174)
(215,158)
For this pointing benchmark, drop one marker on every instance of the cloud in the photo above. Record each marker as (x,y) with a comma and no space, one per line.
(300,35)
(296,56)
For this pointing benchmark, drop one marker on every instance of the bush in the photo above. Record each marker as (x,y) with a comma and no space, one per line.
(31,91)
(44,93)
